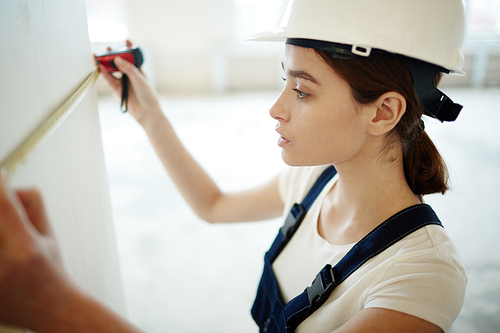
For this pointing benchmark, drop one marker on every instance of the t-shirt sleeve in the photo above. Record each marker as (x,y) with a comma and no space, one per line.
(429,288)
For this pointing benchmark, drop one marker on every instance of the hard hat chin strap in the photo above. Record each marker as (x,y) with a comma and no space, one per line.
(435,103)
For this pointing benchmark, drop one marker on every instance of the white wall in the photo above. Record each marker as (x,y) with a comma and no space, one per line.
(192,47)
(179,36)
(45,56)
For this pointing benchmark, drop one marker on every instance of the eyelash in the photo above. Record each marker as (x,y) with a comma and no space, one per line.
(300,94)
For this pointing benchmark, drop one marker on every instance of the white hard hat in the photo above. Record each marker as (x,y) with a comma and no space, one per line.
(430,31)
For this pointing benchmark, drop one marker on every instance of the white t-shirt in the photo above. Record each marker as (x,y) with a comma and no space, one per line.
(421,275)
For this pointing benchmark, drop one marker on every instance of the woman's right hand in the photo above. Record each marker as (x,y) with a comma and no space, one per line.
(143,100)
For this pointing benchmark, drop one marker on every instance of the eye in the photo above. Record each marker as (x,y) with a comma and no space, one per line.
(300,94)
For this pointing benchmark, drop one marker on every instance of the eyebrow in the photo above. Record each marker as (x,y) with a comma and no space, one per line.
(300,75)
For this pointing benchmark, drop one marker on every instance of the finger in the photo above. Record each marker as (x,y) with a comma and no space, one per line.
(12,214)
(112,81)
(32,201)
(7,207)
(107,75)
(129,69)
(130,45)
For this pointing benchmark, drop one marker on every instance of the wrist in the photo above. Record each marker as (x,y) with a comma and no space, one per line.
(154,122)
(67,312)
(82,314)
(149,118)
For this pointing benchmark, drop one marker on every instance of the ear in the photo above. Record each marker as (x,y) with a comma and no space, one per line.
(387,111)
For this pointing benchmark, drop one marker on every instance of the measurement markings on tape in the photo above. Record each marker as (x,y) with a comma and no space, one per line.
(47,127)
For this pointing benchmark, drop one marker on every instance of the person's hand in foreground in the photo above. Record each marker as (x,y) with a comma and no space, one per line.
(35,290)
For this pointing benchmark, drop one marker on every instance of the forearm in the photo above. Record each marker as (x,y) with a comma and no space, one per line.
(195,185)
(35,290)
(83,314)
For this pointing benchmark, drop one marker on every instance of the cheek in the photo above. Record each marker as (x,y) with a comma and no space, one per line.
(335,123)
(337,135)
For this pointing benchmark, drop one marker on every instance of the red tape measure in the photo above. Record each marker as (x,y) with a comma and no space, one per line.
(132,55)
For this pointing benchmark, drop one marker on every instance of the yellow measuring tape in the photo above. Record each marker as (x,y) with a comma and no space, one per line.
(47,127)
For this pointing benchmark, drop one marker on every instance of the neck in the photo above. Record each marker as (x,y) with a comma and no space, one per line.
(369,190)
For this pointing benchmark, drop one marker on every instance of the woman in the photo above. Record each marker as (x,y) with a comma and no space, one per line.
(353,99)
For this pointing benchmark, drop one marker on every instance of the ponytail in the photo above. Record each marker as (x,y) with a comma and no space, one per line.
(425,169)
(369,78)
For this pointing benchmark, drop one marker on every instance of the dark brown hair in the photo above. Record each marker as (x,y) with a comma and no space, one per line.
(371,77)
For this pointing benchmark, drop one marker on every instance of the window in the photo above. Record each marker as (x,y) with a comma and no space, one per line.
(483,16)
(107,21)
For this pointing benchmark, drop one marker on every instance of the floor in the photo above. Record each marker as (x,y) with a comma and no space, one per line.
(183,275)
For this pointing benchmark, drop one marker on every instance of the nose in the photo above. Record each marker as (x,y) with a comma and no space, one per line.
(278,110)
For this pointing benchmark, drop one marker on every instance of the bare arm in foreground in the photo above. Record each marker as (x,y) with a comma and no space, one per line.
(35,290)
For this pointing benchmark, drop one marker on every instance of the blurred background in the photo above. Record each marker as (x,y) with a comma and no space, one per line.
(183,275)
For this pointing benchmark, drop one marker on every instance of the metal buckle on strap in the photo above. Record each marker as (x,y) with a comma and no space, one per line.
(293,220)
(322,287)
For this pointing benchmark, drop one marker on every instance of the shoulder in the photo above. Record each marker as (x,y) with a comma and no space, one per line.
(422,275)
(430,244)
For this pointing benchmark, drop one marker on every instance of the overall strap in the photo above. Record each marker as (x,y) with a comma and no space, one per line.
(386,234)
(267,310)
(298,211)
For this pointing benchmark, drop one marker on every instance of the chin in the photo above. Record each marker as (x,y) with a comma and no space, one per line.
(300,162)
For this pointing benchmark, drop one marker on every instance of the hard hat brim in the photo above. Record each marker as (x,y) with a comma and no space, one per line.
(281,35)
(273,35)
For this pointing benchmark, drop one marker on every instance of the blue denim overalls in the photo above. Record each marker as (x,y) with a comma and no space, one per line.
(269,311)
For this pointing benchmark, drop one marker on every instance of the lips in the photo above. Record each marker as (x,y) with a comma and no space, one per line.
(282,140)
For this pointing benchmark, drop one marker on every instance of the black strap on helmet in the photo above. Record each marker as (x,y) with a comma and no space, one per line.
(435,103)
